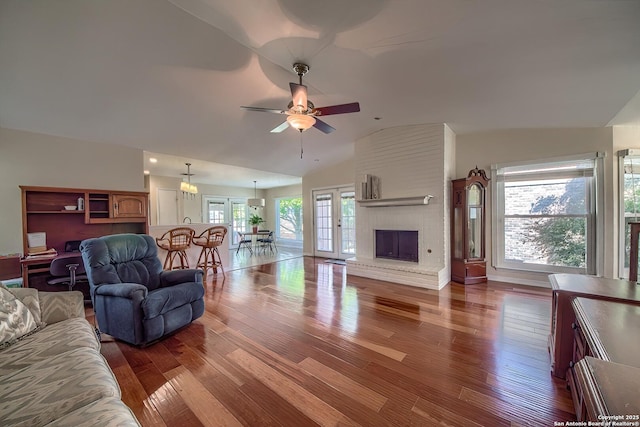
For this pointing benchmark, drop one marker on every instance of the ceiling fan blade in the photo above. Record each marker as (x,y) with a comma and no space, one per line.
(299,95)
(265,110)
(322,126)
(282,126)
(353,107)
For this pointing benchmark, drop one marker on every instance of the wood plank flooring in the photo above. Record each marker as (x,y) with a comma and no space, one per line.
(299,343)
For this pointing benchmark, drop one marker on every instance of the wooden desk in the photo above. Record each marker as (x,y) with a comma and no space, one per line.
(609,389)
(605,330)
(565,288)
(34,266)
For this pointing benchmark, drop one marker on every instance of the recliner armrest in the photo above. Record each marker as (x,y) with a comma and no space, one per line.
(122,290)
(175,277)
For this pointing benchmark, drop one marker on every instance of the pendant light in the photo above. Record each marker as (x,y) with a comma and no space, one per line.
(255,202)
(186,187)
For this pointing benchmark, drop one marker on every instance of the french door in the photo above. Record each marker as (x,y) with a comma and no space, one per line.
(231,212)
(239,220)
(334,223)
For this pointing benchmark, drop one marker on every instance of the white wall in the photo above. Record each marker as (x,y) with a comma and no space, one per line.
(487,148)
(410,161)
(338,175)
(28,158)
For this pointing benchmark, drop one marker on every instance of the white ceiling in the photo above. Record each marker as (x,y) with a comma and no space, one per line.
(169,77)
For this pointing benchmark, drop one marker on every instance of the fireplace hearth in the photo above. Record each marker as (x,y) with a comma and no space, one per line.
(400,245)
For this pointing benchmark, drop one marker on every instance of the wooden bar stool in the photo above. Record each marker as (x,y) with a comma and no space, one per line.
(176,242)
(209,257)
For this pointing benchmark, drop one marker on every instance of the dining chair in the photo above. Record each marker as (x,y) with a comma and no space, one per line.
(244,242)
(268,241)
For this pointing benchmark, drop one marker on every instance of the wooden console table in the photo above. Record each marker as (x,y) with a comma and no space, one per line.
(565,288)
(605,332)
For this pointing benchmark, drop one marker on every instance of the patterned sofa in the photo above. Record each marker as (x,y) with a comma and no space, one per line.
(54,375)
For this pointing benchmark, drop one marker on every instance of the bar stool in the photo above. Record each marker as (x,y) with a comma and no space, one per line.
(209,257)
(176,242)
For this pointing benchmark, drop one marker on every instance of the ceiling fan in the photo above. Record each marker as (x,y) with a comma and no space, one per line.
(301,112)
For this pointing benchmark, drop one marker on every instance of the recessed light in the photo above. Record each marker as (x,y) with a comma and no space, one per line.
(147,172)
(153,160)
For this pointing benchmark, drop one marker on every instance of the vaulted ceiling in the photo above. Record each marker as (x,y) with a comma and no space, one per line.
(170,76)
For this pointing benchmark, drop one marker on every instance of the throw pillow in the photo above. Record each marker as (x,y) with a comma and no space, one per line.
(29,297)
(15,319)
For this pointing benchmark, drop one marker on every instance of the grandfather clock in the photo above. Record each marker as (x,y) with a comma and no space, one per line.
(468,264)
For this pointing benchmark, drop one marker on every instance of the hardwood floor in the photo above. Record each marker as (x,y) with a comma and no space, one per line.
(298,343)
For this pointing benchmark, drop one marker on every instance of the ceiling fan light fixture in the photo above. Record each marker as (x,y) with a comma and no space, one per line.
(301,122)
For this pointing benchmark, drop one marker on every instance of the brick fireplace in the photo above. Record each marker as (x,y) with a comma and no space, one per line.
(410,163)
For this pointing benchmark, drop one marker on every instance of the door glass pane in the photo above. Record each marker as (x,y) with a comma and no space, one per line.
(348,222)
(475,232)
(473,198)
(216,212)
(458,244)
(238,220)
(324,222)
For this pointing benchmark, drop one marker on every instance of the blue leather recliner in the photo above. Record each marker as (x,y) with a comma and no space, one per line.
(134,300)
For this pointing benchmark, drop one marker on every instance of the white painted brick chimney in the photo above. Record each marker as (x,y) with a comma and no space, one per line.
(410,161)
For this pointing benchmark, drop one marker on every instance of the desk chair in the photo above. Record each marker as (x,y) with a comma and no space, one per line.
(244,242)
(67,270)
(176,242)
(209,240)
(72,246)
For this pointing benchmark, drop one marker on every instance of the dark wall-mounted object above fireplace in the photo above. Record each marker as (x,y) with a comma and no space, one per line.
(401,245)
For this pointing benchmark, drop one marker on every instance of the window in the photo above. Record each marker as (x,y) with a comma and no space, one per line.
(544,215)
(629,181)
(289,219)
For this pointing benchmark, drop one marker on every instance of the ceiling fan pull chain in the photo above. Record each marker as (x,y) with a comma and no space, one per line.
(301,145)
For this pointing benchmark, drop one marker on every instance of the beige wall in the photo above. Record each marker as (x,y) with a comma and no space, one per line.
(336,175)
(28,158)
(488,148)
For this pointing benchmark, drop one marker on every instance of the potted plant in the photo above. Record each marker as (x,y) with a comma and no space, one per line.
(255,220)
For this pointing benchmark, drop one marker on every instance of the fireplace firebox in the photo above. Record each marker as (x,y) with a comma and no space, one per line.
(401,245)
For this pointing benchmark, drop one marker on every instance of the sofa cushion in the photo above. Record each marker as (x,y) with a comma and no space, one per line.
(58,306)
(104,412)
(54,339)
(163,300)
(15,318)
(50,389)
